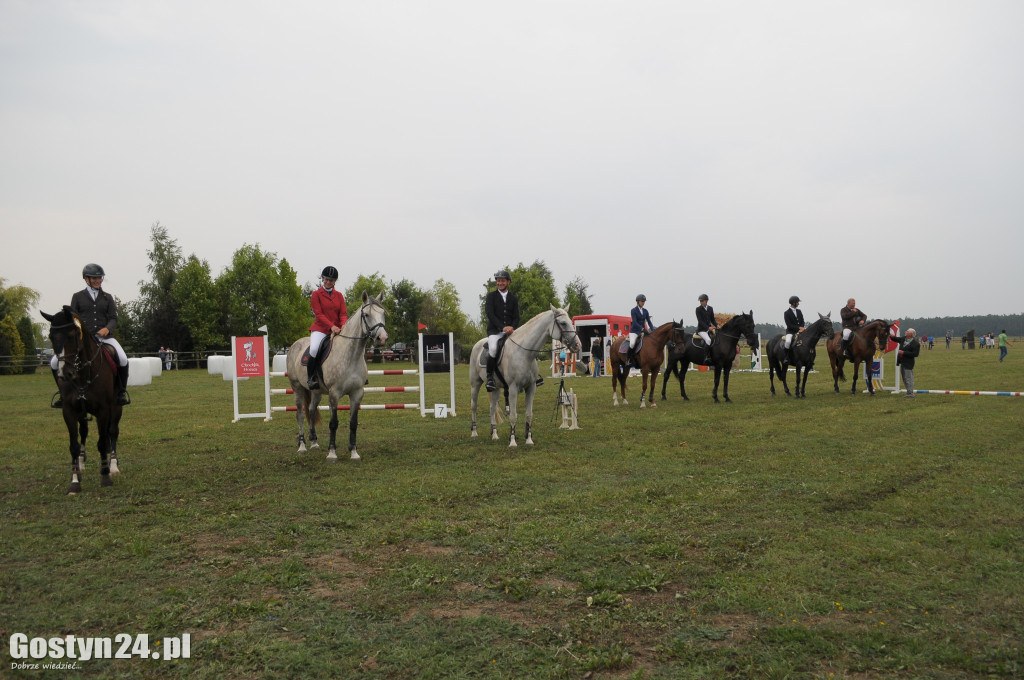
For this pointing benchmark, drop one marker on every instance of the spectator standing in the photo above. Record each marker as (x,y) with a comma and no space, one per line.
(168,358)
(1003,343)
(597,353)
(910,348)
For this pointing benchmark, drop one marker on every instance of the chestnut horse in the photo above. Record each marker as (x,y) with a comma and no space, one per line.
(88,382)
(650,356)
(862,346)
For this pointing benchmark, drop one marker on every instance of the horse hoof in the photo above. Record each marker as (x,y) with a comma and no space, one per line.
(654,404)
(494,436)
(512,444)
(314,446)
(473,434)
(643,405)
(105,480)
(332,456)
(114,471)
(529,441)
(74,489)
(354,456)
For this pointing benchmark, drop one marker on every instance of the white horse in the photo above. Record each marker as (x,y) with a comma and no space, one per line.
(518,366)
(344,372)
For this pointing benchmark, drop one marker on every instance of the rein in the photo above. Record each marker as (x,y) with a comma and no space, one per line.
(543,348)
(367,328)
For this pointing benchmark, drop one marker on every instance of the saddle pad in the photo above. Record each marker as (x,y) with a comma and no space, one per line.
(624,347)
(325,347)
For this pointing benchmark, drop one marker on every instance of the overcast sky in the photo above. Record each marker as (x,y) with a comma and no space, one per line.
(749,150)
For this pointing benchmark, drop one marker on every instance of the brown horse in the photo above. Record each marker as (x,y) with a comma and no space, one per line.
(651,354)
(862,347)
(88,385)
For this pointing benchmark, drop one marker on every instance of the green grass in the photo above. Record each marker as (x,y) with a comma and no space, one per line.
(836,536)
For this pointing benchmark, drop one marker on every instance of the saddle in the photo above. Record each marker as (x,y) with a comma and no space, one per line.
(497,359)
(111,355)
(325,351)
(698,341)
(624,347)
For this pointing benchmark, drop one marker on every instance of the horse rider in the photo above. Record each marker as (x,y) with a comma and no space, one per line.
(640,323)
(330,314)
(99,313)
(502,309)
(705,322)
(794,319)
(852,320)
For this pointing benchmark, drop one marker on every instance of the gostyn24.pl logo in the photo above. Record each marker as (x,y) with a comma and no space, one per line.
(72,648)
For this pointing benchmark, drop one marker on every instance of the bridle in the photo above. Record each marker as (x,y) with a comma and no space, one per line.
(368,330)
(75,369)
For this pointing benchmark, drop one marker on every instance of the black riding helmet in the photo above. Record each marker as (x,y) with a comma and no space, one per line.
(641,298)
(92,269)
(329,273)
(794,300)
(502,274)
(703,296)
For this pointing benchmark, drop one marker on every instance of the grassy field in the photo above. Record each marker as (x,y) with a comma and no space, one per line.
(833,537)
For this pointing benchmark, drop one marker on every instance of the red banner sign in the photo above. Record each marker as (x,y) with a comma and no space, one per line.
(249,357)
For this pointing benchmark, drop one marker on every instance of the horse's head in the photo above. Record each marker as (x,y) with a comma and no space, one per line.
(745,326)
(373,316)
(824,324)
(881,334)
(69,338)
(563,330)
(678,335)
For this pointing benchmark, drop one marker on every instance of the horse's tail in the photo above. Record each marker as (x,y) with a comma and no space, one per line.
(842,376)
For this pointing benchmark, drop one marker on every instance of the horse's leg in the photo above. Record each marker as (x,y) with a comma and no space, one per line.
(718,376)
(354,400)
(684,366)
(513,414)
(856,374)
(332,453)
(664,377)
(530,392)
(83,434)
(301,413)
(725,382)
(474,396)
(643,386)
(615,383)
(494,415)
(312,412)
(115,432)
(71,421)
(654,384)
(103,444)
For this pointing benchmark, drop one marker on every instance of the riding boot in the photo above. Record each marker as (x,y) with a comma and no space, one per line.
(312,369)
(846,347)
(492,366)
(122,393)
(56,403)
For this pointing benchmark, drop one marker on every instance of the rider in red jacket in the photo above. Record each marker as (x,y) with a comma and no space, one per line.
(328,307)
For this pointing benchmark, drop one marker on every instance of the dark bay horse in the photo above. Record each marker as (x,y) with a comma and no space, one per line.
(88,385)
(651,354)
(862,347)
(804,353)
(723,353)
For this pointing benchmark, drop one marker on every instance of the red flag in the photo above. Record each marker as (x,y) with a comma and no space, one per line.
(421,326)
(894,331)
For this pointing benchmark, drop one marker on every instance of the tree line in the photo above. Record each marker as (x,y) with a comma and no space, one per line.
(182,305)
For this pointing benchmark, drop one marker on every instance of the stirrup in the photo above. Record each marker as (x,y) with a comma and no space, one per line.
(540,381)
(123,399)
(56,401)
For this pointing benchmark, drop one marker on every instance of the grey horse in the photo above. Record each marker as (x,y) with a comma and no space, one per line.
(344,372)
(518,366)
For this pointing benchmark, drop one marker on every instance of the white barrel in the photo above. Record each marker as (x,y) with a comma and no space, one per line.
(280,364)
(215,364)
(138,372)
(155,367)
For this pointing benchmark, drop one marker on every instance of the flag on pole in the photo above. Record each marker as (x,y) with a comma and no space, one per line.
(894,331)
(421,326)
